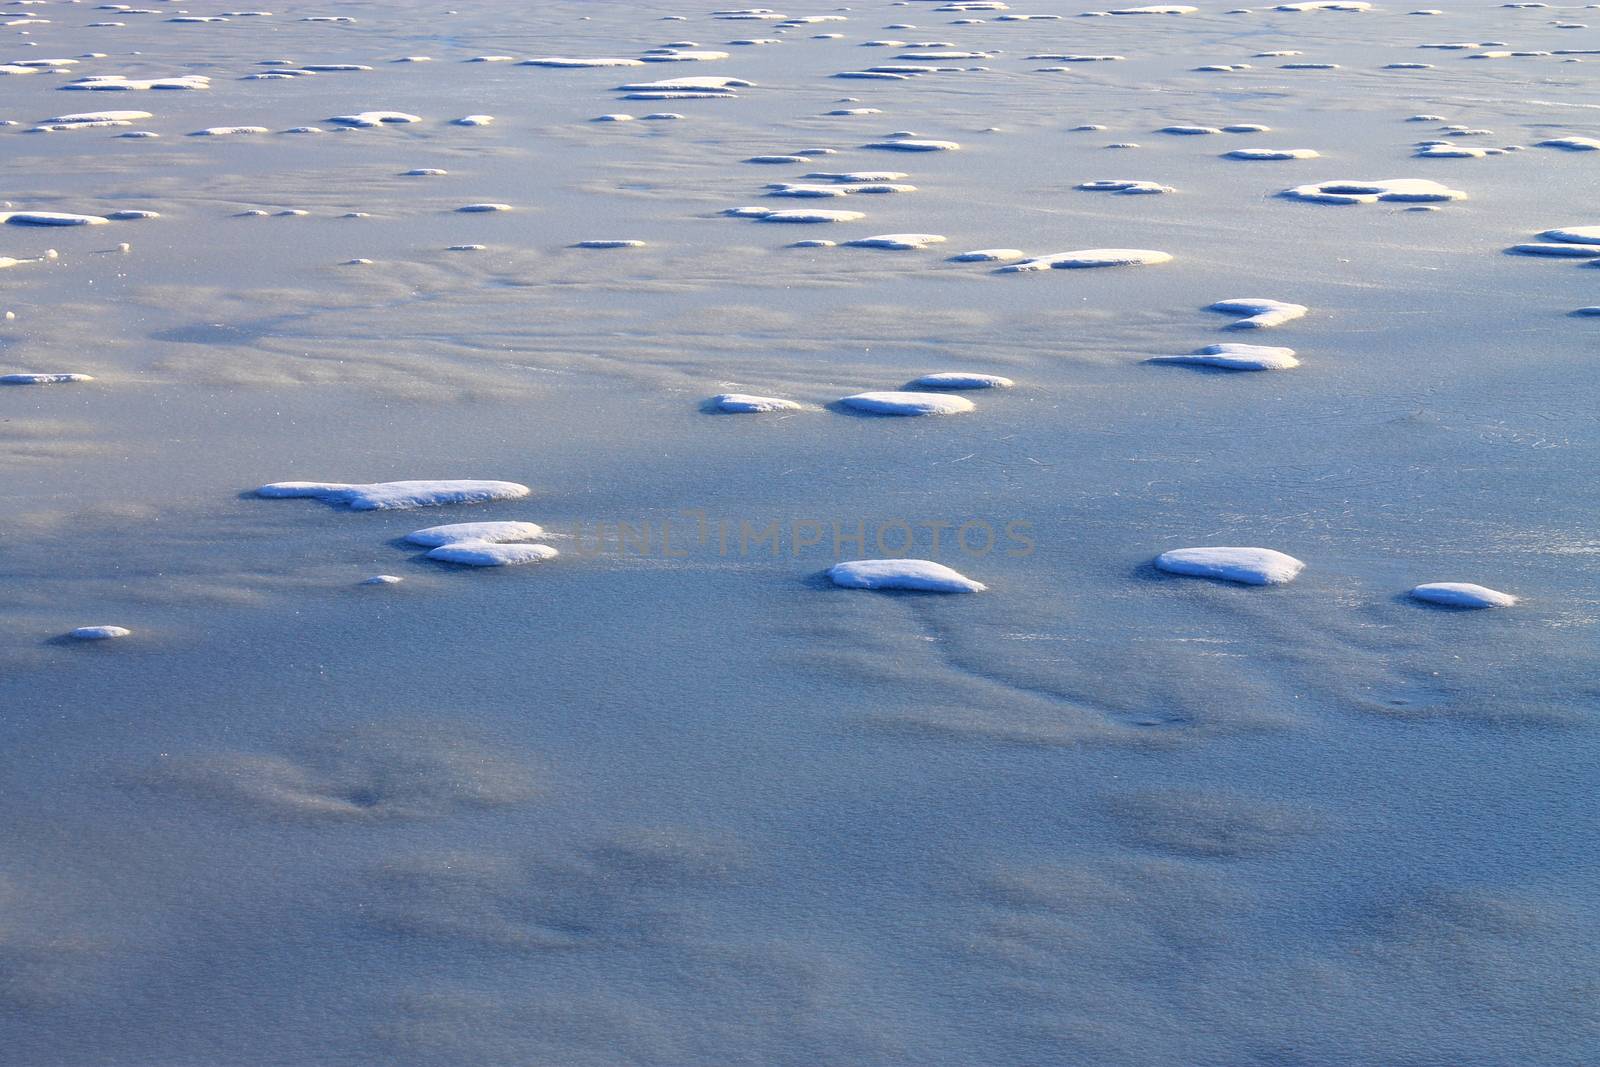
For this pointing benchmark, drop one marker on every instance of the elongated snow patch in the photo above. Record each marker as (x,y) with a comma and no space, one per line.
(1572,251)
(962,380)
(385,496)
(1272,153)
(1404,190)
(1578,235)
(1089,257)
(1572,144)
(367,119)
(1260,313)
(1125,186)
(744,403)
(97,117)
(989,255)
(922,575)
(564,61)
(100,633)
(456,532)
(43,379)
(491,554)
(1251,566)
(688,84)
(1235,356)
(897,402)
(796,216)
(1462,595)
(911,144)
(50,218)
(904,242)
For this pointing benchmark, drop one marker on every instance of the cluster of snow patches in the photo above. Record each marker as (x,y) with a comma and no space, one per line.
(1326,5)
(1576,242)
(1449,150)
(693,88)
(120,83)
(762,214)
(484,544)
(1402,190)
(919,575)
(369,119)
(1124,186)
(384,496)
(1259,313)
(90,120)
(805,190)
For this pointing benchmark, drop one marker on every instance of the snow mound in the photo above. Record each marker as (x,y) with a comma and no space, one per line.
(1260,313)
(899,241)
(100,633)
(1462,595)
(491,554)
(1235,356)
(744,403)
(384,496)
(896,402)
(1272,153)
(1403,190)
(1125,187)
(43,379)
(1251,566)
(1090,257)
(458,532)
(918,574)
(909,144)
(962,380)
